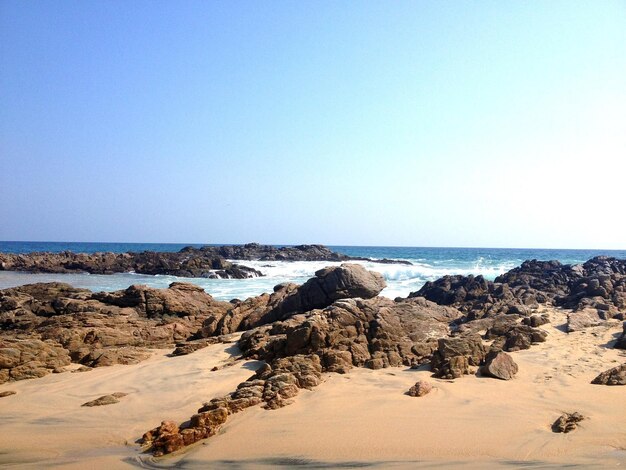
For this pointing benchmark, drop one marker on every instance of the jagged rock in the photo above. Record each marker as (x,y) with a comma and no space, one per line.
(106,399)
(420,389)
(328,285)
(478,297)
(7,393)
(455,355)
(274,385)
(499,365)
(614,376)
(567,422)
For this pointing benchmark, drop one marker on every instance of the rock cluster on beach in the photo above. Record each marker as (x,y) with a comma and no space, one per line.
(206,262)
(335,321)
(44,327)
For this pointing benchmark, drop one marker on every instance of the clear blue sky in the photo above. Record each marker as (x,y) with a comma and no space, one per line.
(362,123)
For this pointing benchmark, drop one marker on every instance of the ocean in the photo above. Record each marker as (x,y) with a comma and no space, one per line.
(427,264)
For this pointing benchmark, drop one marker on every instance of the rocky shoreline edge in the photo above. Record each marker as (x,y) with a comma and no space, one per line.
(457,325)
(207,262)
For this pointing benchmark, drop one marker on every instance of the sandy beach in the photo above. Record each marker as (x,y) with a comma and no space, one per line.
(358,419)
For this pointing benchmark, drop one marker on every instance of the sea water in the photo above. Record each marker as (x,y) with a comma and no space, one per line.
(427,264)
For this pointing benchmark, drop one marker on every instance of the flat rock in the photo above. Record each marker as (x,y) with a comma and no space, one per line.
(106,399)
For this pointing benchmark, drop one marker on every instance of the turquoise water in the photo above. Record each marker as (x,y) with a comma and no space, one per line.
(428,264)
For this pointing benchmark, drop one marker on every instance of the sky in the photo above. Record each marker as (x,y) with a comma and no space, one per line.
(405,123)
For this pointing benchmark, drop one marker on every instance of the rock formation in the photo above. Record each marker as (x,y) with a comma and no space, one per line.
(45,326)
(207,262)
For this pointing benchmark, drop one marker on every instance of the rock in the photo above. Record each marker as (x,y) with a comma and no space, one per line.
(582,319)
(30,358)
(499,365)
(567,422)
(106,399)
(328,285)
(7,393)
(420,389)
(455,355)
(208,261)
(614,376)
(621,341)
(82,369)
(57,324)
(536,320)
(189,347)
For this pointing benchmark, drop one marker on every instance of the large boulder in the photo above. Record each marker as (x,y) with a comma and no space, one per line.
(499,365)
(328,285)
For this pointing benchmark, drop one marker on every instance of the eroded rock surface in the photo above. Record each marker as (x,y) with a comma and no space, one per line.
(567,422)
(44,327)
(614,376)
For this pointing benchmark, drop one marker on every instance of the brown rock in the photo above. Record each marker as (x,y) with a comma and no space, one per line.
(614,376)
(499,365)
(420,389)
(106,399)
(567,422)
(7,393)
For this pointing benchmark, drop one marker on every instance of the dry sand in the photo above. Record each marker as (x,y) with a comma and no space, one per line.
(359,419)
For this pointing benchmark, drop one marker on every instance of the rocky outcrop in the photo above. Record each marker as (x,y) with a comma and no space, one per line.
(478,298)
(595,291)
(45,326)
(567,422)
(207,262)
(614,376)
(147,262)
(373,333)
(255,251)
(328,285)
(273,385)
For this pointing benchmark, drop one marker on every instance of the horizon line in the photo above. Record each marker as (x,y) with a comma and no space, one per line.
(323,244)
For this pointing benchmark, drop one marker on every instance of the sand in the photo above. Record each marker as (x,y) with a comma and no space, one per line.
(358,419)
